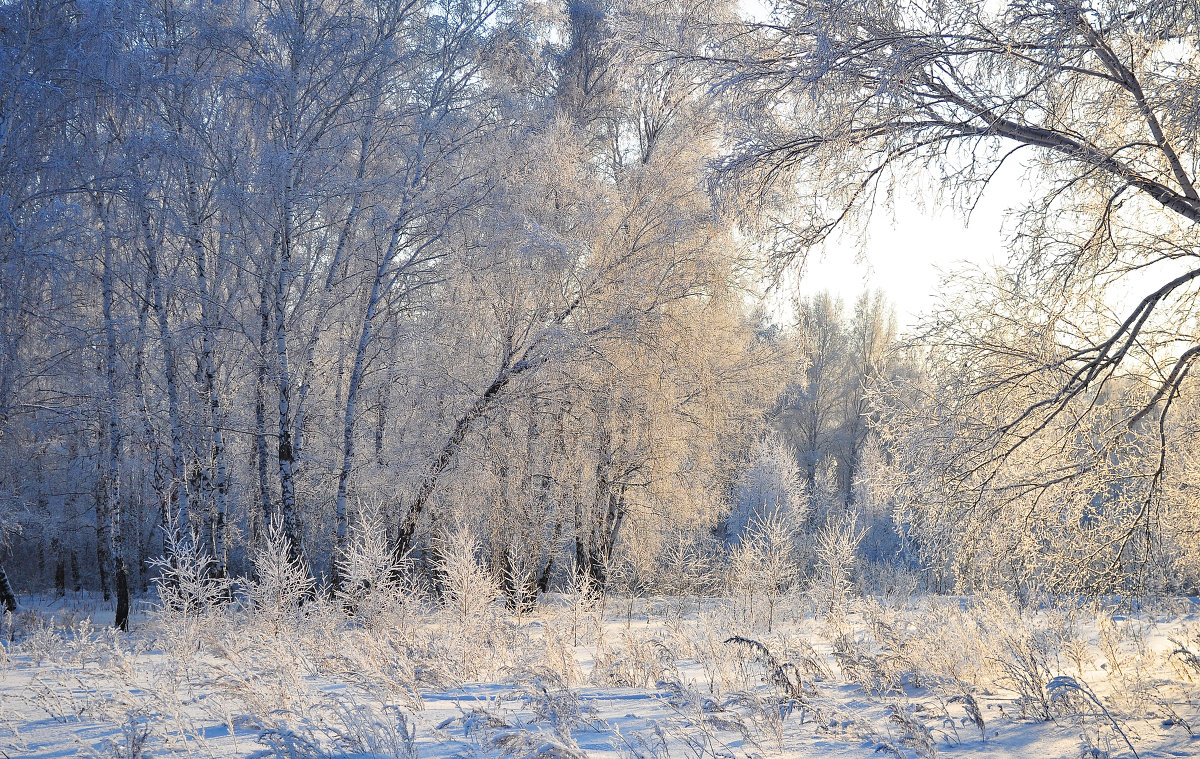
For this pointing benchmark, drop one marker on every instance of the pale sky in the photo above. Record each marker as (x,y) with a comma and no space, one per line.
(904,256)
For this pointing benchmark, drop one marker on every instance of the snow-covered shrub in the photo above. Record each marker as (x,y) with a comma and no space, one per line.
(468,589)
(836,548)
(765,562)
(688,564)
(189,595)
(769,485)
(186,583)
(281,581)
(894,583)
(586,607)
(369,586)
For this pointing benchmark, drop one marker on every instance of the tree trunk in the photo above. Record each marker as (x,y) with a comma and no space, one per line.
(121,617)
(8,598)
(261,455)
(76,577)
(381,414)
(179,522)
(208,377)
(408,525)
(109,541)
(287,486)
(602,534)
(60,576)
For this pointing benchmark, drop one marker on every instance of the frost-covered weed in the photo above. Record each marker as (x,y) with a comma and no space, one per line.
(136,738)
(555,703)
(783,674)
(559,655)
(914,734)
(972,713)
(1075,697)
(1022,648)
(720,729)
(1184,654)
(378,660)
(945,638)
(635,663)
(879,671)
(891,648)
(495,732)
(372,732)
(8,627)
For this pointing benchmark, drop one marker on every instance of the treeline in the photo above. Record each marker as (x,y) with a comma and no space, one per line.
(452,262)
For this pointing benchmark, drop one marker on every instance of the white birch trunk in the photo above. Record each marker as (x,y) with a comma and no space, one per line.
(179,521)
(208,372)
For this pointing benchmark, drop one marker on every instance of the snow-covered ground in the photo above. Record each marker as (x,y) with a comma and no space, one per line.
(634,678)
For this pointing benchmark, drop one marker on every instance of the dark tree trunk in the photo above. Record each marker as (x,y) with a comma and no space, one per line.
(261,455)
(381,418)
(76,578)
(543,579)
(110,543)
(408,525)
(509,371)
(594,550)
(543,582)
(8,598)
(121,620)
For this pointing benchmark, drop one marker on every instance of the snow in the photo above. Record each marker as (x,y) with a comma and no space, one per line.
(633,678)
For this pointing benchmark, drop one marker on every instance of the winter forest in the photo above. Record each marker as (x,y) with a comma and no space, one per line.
(446,378)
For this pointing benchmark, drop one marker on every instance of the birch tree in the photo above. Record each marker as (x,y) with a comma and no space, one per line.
(440,119)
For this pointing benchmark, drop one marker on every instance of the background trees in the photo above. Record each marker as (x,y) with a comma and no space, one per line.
(467,266)
(268,265)
(826,414)
(1058,384)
